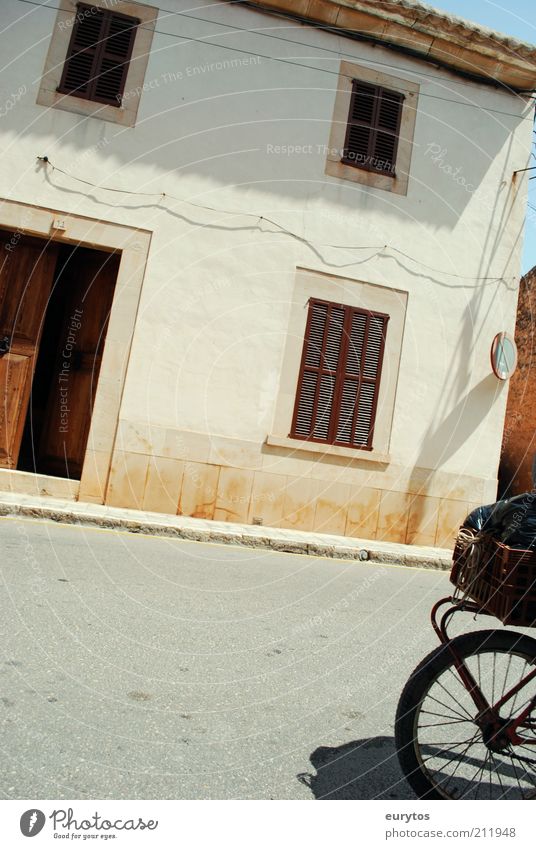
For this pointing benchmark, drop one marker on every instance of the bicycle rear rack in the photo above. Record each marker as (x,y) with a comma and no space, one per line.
(455,606)
(441,630)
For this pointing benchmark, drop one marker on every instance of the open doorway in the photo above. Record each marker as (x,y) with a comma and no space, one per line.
(68,363)
(55,302)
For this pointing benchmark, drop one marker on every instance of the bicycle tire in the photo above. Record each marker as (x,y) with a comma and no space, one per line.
(410,748)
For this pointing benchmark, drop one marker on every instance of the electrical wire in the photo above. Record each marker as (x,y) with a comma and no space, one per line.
(260,218)
(187,39)
(235,28)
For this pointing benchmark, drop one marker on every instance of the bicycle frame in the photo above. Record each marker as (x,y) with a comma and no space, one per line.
(487,714)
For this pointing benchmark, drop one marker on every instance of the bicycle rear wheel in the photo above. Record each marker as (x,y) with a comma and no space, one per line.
(441,749)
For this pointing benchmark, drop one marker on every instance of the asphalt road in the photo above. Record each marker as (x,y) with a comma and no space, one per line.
(144,667)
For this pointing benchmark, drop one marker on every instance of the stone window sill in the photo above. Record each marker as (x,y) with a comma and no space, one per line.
(327,450)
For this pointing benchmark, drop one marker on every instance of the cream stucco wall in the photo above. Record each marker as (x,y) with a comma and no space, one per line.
(205,369)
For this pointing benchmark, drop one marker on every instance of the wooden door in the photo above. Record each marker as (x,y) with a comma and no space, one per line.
(90,282)
(26,273)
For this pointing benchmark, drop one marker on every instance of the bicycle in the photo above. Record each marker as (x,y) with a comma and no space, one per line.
(465,725)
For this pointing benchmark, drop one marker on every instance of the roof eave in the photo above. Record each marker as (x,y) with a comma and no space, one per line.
(424,33)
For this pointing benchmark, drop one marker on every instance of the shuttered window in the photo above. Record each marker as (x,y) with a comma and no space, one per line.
(99,52)
(373,128)
(339,375)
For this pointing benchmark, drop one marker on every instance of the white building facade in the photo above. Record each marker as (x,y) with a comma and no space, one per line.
(267,258)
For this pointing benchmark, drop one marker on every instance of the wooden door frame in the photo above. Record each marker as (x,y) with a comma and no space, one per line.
(66,228)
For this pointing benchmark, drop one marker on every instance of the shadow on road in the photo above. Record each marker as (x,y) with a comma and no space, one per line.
(362,769)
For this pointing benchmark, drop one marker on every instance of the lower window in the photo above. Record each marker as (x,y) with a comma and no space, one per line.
(340,374)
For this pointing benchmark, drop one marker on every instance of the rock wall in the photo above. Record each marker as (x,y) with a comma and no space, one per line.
(519,443)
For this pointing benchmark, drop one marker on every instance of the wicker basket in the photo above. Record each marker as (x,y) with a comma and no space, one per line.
(499,578)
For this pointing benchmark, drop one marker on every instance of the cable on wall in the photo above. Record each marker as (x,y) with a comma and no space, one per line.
(260,218)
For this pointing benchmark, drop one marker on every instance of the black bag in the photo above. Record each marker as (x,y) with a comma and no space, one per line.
(512,521)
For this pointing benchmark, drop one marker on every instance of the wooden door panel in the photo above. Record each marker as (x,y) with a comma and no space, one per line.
(15,380)
(91,277)
(26,276)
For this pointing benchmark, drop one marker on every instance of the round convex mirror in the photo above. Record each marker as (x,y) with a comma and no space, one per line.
(503,356)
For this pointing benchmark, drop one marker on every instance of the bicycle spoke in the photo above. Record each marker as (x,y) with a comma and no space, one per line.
(516,775)
(498,774)
(521,759)
(459,682)
(460,761)
(446,747)
(529,723)
(445,716)
(466,767)
(525,773)
(523,704)
(528,749)
(439,724)
(480,771)
(455,713)
(450,747)
(523,672)
(510,656)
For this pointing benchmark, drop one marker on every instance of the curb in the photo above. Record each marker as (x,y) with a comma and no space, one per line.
(363,552)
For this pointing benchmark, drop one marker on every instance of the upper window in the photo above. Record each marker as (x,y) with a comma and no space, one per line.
(372,131)
(373,128)
(339,376)
(97,59)
(99,53)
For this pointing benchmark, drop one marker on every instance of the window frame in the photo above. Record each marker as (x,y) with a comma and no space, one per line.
(100,52)
(339,374)
(376,297)
(335,165)
(124,114)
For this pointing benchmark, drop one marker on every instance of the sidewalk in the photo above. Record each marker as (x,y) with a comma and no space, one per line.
(205,530)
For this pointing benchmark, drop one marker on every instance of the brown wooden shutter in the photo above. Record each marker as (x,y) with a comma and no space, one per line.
(80,65)
(99,52)
(116,53)
(361,378)
(358,144)
(320,361)
(373,128)
(340,375)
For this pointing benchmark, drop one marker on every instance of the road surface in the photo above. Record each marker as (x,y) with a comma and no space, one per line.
(145,667)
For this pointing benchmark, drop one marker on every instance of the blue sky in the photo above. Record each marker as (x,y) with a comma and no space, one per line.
(517,19)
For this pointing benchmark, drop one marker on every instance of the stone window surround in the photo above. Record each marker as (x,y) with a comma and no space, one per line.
(125,114)
(355,293)
(134,247)
(334,166)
